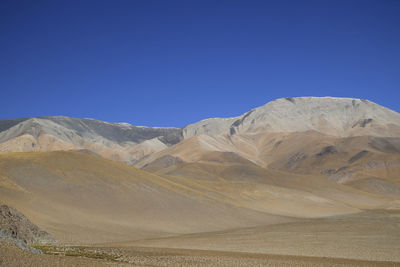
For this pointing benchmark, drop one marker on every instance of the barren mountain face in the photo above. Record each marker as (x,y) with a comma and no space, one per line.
(339,138)
(292,161)
(340,117)
(117,141)
(332,117)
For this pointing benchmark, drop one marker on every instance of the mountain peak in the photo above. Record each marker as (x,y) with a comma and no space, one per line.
(329,115)
(333,116)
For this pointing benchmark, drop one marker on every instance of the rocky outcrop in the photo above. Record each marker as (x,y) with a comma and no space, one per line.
(15,225)
(5,238)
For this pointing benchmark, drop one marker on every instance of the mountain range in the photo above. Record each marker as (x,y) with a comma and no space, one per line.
(293,159)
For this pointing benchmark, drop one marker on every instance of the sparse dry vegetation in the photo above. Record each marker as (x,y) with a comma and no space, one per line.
(140,256)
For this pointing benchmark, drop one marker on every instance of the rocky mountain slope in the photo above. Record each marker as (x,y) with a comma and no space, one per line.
(334,117)
(327,116)
(350,141)
(340,117)
(291,159)
(117,141)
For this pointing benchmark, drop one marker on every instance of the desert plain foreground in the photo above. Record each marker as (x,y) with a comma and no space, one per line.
(331,242)
(137,256)
(369,238)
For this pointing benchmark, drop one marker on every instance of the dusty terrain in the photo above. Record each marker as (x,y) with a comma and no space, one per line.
(81,198)
(11,255)
(372,235)
(138,256)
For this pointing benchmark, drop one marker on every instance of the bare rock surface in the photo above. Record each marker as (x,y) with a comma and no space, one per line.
(337,117)
(15,225)
(117,141)
(329,115)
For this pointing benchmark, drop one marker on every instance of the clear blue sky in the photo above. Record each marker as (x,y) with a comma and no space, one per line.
(170,63)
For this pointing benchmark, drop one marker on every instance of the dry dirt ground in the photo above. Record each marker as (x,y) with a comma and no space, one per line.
(367,239)
(371,235)
(137,256)
(11,255)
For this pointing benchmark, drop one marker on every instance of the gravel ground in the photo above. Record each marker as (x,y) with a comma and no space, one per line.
(10,255)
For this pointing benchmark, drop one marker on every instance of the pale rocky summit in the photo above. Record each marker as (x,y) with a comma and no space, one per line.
(341,117)
(344,139)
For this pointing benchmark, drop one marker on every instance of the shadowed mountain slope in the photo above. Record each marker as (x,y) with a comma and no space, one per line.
(117,141)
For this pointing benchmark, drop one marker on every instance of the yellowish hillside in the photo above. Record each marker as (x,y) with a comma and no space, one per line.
(82,198)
